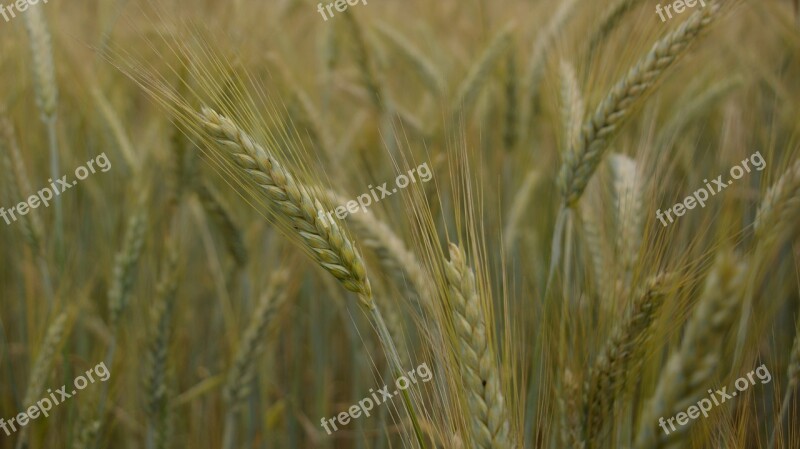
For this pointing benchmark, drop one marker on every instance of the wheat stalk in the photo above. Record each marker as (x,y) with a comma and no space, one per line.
(610,114)
(490,423)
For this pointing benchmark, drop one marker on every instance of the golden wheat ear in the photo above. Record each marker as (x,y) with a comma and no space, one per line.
(327,242)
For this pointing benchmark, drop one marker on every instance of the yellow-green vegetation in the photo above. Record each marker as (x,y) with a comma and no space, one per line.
(531,274)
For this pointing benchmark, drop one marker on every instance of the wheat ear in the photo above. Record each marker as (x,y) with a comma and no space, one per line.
(519,206)
(155,380)
(423,66)
(490,423)
(620,358)
(18,184)
(613,16)
(628,205)
(242,371)
(223,220)
(690,370)
(471,86)
(597,131)
(400,263)
(125,263)
(365,63)
(569,402)
(41,367)
(572,104)
(792,380)
(327,242)
(780,208)
(44,81)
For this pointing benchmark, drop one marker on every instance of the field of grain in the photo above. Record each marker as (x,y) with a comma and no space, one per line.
(555,224)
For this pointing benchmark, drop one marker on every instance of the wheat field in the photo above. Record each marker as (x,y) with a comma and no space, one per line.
(555,224)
